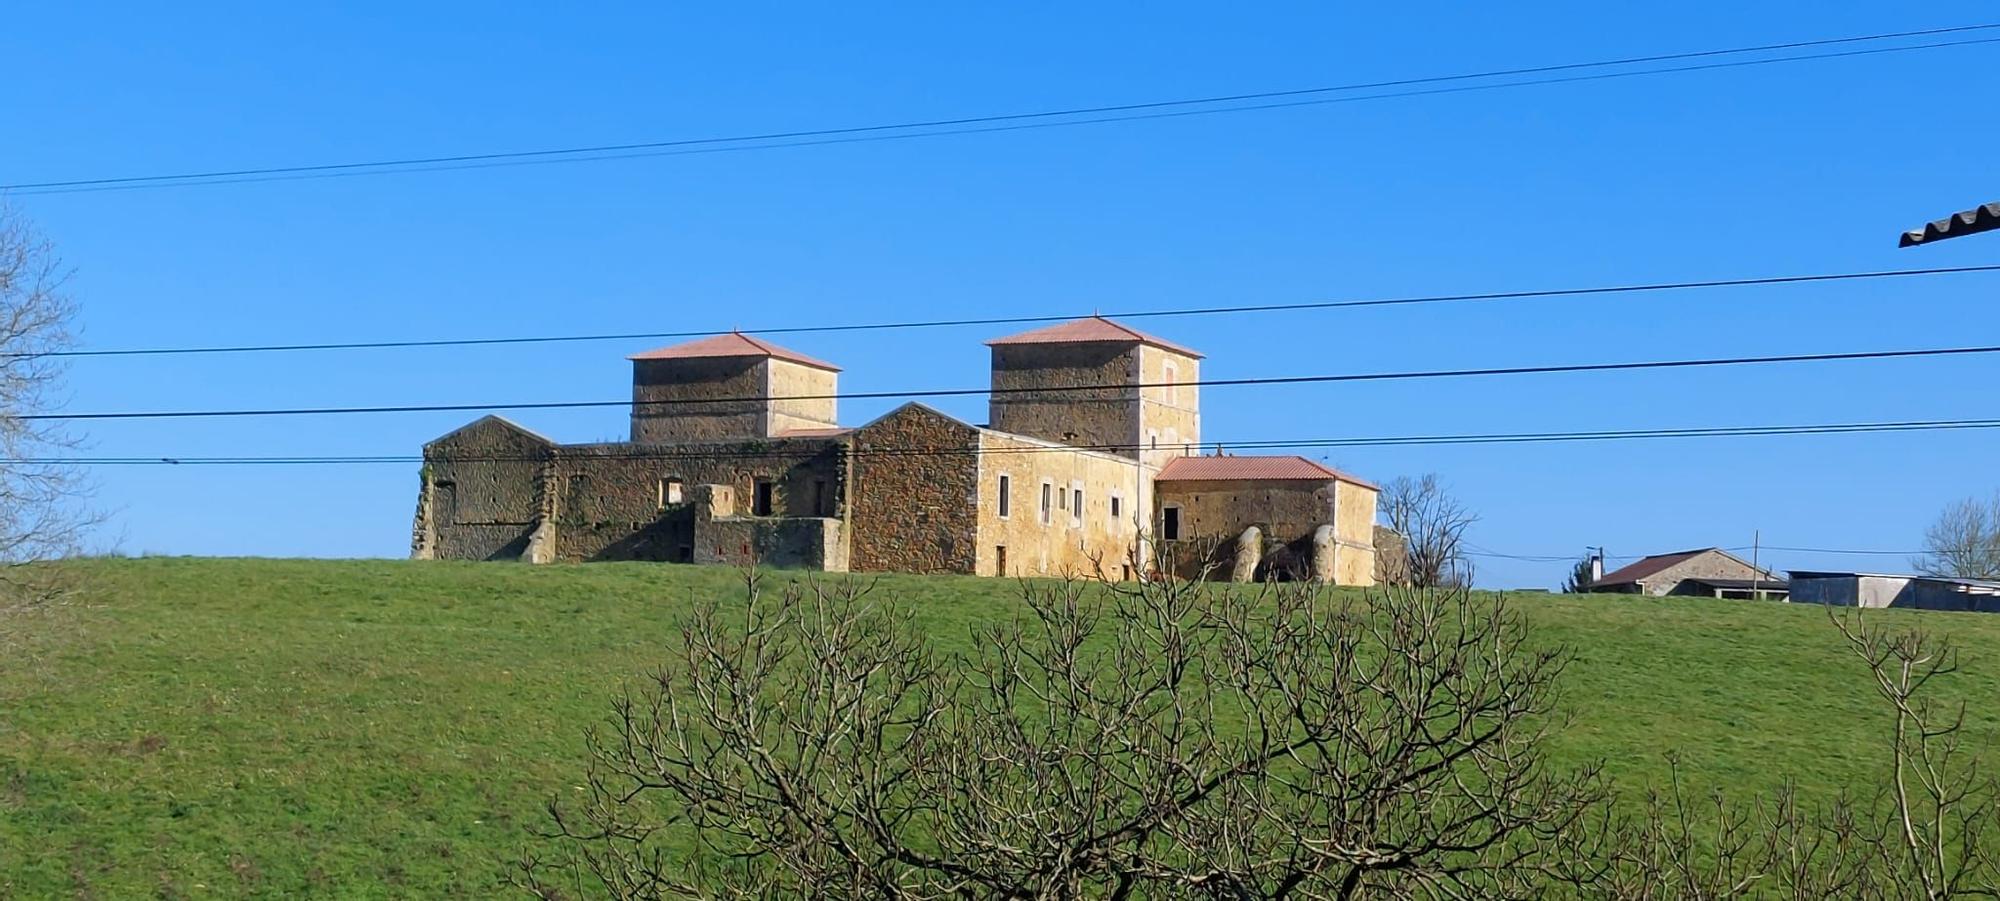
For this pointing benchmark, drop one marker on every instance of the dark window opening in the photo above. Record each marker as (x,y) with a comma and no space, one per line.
(1115,505)
(760,498)
(1006,484)
(1170,523)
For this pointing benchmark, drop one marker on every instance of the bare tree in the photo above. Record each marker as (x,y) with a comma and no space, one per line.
(1433,525)
(1964,542)
(41,516)
(1169,739)
(1926,831)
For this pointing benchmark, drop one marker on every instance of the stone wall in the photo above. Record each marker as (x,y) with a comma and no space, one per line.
(1286,512)
(913,495)
(482,491)
(1169,416)
(1706,565)
(699,399)
(1392,556)
(613,501)
(1088,542)
(1033,402)
(724,535)
(1354,534)
(801,397)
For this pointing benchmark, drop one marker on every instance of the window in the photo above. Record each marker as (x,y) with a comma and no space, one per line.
(1117,508)
(822,500)
(1170,523)
(1170,374)
(669,493)
(1076,507)
(1006,503)
(761,497)
(1062,500)
(1046,488)
(1153,438)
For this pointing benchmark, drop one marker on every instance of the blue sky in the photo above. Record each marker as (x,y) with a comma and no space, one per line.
(1811,167)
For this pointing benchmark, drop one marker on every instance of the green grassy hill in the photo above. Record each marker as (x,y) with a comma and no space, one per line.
(230,727)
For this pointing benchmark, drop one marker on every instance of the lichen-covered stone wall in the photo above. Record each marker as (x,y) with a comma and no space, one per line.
(1058,392)
(915,484)
(699,399)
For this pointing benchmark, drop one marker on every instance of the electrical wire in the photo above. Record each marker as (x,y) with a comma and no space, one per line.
(1012,121)
(1757,281)
(1004,392)
(765,448)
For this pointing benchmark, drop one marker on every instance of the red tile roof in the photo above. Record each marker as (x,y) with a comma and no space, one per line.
(1650,566)
(1238,469)
(734,344)
(1091,330)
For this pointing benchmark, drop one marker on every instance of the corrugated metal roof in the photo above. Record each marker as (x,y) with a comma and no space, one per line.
(734,344)
(1238,469)
(1984,217)
(1091,330)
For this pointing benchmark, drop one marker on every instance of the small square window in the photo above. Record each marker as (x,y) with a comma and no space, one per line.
(669,493)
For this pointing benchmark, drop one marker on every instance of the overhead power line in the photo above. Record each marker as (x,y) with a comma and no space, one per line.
(965,392)
(1245,102)
(727,451)
(1641,288)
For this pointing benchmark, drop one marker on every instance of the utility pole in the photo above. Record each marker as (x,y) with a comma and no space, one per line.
(1756,573)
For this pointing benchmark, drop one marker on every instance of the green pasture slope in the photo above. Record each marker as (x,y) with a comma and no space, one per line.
(217,727)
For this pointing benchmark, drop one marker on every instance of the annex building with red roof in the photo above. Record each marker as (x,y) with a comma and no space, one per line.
(1090,463)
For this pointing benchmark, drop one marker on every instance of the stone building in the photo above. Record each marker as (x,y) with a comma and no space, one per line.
(1089,465)
(1709,572)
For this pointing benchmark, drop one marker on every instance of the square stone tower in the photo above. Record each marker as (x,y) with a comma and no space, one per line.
(1095,383)
(729,388)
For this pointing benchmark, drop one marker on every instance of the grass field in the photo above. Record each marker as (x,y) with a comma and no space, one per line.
(210,727)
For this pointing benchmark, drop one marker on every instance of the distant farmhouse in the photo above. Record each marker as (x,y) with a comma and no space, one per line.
(1842,589)
(1706,572)
(1089,466)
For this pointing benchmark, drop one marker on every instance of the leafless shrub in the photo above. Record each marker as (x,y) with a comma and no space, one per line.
(1926,831)
(1964,542)
(1433,525)
(1168,739)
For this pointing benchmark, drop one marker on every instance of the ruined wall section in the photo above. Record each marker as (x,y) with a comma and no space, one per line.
(679,401)
(617,501)
(1169,410)
(482,490)
(913,493)
(1286,512)
(1090,541)
(1036,394)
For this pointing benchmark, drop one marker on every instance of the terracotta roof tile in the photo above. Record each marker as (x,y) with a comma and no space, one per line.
(1091,330)
(1235,469)
(733,344)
